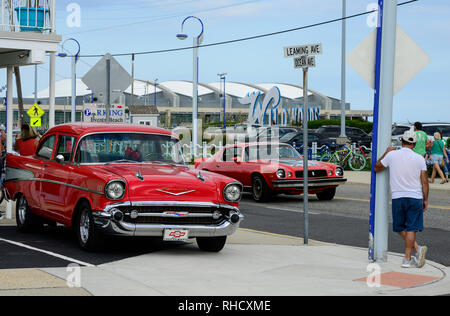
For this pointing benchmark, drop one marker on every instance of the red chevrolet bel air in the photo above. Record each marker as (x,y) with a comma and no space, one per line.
(121,180)
(267,169)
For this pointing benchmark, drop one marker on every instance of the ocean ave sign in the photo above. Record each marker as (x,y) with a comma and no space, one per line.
(302,50)
(304,61)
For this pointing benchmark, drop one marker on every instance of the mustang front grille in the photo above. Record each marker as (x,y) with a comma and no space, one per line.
(312,174)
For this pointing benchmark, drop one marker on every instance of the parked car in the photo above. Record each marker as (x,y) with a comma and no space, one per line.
(296,139)
(429,129)
(124,180)
(267,169)
(356,135)
(270,134)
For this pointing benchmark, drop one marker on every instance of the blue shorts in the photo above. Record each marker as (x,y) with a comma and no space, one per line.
(407,214)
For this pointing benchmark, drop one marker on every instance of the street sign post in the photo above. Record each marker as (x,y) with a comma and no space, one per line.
(387,60)
(302,59)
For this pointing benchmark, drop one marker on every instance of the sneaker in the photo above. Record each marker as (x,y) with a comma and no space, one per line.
(420,256)
(409,264)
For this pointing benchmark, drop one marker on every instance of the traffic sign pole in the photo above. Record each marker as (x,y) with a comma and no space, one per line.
(305,155)
(384,83)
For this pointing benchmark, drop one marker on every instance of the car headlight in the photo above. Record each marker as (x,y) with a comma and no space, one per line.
(281,174)
(232,192)
(339,172)
(115,190)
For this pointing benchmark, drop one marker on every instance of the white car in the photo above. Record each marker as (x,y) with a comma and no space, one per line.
(428,128)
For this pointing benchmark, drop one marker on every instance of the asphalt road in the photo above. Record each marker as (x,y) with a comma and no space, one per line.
(345,220)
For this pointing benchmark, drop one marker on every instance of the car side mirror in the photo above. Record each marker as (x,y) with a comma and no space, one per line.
(60,159)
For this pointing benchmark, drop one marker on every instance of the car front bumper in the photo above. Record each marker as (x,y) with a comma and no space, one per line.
(108,224)
(312,183)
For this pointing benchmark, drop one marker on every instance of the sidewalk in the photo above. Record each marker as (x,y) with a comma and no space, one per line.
(252,263)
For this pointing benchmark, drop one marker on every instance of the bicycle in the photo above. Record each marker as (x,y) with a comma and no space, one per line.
(342,157)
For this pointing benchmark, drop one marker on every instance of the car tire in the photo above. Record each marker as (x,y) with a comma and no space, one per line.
(211,244)
(326,195)
(260,190)
(89,238)
(25,219)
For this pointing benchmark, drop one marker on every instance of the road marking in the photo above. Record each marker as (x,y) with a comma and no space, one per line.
(439,207)
(48,253)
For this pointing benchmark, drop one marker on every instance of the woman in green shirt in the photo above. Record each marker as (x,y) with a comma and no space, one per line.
(438,153)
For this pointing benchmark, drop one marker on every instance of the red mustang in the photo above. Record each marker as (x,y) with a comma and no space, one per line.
(268,169)
(121,180)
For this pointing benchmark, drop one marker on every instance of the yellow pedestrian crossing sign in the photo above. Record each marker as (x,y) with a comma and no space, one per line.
(35,122)
(35,112)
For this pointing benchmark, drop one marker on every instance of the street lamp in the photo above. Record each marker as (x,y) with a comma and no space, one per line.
(74,75)
(197,42)
(222,77)
(156,84)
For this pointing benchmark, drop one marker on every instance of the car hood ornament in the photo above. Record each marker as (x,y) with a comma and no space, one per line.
(175,192)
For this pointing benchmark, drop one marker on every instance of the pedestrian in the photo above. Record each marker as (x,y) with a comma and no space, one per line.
(409,187)
(446,164)
(422,138)
(27,141)
(438,158)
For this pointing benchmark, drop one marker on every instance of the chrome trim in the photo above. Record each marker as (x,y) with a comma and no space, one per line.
(174,216)
(111,227)
(229,184)
(175,194)
(105,222)
(311,183)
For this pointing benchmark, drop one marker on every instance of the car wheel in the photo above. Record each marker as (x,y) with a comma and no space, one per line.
(211,244)
(260,191)
(88,237)
(25,219)
(326,195)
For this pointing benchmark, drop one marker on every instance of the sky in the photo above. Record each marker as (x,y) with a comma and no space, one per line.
(117,27)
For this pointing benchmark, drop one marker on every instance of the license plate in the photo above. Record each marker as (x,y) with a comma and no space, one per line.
(176,234)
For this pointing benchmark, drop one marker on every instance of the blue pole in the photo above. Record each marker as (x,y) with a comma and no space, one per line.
(375,130)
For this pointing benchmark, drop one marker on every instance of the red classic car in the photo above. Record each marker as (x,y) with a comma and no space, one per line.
(267,169)
(121,180)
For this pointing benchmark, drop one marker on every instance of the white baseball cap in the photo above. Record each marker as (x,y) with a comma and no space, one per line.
(409,137)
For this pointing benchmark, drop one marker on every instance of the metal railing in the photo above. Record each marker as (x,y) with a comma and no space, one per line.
(27,16)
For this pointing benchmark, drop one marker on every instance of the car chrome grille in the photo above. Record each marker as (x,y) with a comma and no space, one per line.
(197,215)
(312,174)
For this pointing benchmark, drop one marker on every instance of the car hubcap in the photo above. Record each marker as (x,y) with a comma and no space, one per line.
(22,210)
(257,187)
(84,227)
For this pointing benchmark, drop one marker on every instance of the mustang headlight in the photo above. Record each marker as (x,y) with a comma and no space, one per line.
(339,172)
(281,174)
(115,190)
(232,192)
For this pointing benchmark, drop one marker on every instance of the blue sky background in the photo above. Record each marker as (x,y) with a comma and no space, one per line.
(118,26)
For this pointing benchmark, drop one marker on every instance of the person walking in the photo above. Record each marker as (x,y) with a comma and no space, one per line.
(410,189)
(27,141)
(422,138)
(438,157)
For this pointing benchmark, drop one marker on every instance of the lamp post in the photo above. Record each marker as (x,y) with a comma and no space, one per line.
(197,42)
(74,75)
(156,84)
(222,77)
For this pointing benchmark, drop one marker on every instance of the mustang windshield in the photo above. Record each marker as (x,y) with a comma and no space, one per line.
(271,152)
(129,148)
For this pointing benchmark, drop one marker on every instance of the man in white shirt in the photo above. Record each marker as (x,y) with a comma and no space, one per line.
(409,187)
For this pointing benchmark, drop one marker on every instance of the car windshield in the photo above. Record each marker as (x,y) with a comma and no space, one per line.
(287,137)
(129,148)
(399,130)
(271,152)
